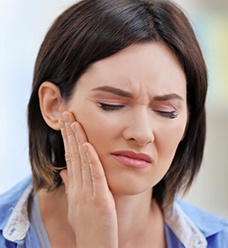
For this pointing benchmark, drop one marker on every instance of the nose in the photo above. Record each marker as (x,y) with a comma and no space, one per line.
(139,128)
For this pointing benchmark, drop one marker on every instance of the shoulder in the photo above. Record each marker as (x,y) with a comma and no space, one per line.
(12,195)
(214,228)
(9,199)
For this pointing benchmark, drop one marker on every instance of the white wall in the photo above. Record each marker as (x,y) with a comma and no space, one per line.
(23,23)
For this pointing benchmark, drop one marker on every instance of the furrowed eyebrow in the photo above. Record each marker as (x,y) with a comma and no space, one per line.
(168,97)
(124,93)
(114,90)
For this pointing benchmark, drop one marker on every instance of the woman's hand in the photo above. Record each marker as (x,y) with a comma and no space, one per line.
(91,207)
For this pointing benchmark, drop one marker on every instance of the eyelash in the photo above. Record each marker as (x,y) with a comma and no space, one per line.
(113,107)
(170,115)
(110,107)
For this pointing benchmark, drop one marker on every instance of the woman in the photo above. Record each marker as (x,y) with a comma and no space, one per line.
(116,130)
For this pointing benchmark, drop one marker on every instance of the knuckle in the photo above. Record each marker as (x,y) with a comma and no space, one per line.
(70,157)
(103,205)
(68,132)
(67,157)
(83,166)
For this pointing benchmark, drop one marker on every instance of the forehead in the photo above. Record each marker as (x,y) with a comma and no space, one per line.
(151,66)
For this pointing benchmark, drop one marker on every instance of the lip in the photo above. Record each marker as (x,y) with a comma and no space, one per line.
(133,159)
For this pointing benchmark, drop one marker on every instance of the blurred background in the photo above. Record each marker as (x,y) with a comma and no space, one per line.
(23,24)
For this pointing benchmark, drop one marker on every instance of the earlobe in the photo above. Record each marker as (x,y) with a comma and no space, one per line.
(50,104)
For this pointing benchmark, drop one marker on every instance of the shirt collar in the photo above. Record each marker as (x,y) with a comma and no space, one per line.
(18,223)
(184,229)
(190,235)
(208,223)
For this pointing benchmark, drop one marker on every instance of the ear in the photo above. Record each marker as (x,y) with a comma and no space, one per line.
(50,104)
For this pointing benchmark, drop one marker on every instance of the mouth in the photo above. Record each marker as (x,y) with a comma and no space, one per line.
(133,159)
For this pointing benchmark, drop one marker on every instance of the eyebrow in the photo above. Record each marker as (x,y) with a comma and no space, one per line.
(168,97)
(124,93)
(115,91)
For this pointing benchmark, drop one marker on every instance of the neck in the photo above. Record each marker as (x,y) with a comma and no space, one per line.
(132,209)
(139,218)
(53,210)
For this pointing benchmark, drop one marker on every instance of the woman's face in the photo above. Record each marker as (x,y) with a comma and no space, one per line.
(133,109)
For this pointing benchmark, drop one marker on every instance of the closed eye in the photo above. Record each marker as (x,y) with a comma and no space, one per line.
(115,107)
(167,114)
(110,107)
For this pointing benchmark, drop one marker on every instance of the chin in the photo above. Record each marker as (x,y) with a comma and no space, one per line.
(128,187)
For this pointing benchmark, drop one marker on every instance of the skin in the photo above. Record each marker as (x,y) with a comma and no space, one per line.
(107,203)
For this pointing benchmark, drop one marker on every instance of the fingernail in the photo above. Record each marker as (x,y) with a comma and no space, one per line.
(85,148)
(73,127)
(75,131)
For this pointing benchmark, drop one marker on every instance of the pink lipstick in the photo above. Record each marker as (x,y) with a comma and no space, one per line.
(133,159)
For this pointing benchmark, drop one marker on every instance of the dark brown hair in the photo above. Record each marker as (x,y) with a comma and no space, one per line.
(91,30)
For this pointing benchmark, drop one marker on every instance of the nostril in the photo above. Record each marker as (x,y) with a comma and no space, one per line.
(141,141)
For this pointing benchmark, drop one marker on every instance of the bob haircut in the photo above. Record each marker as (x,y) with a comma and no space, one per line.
(92,30)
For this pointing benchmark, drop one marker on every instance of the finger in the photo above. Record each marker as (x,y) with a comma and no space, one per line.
(85,168)
(70,116)
(66,147)
(99,182)
(71,152)
(81,135)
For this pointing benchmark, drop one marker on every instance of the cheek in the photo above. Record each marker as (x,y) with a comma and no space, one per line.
(170,139)
(98,128)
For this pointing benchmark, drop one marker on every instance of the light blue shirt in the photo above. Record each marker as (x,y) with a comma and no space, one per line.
(186,226)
